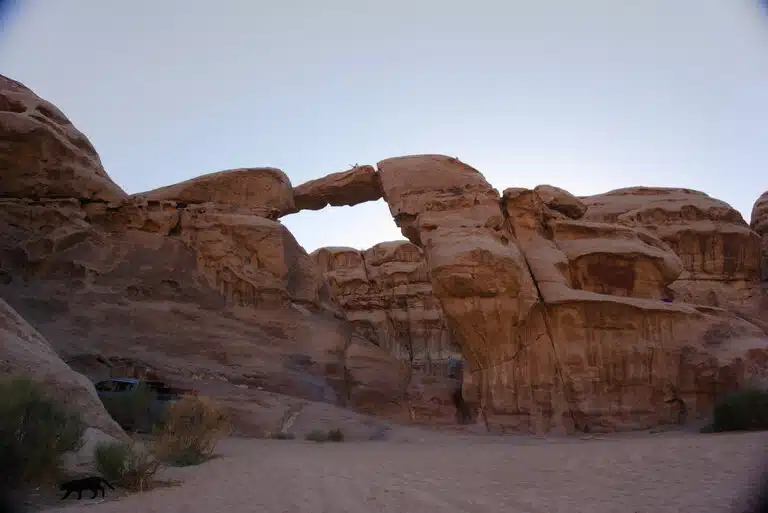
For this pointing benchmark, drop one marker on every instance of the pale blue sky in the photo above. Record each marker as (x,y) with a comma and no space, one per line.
(588,95)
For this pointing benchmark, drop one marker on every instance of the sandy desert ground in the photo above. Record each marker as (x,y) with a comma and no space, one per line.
(668,472)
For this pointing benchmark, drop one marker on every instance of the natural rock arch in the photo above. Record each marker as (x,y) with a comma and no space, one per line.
(548,344)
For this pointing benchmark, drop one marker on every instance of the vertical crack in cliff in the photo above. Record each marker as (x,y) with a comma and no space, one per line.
(545,316)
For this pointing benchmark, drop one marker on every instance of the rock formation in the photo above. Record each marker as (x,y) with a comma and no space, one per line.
(561,305)
(624,310)
(23,351)
(720,253)
(194,281)
(358,185)
(759,224)
(387,297)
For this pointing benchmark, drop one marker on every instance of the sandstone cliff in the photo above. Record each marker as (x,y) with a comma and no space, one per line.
(719,251)
(387,297)
(624,310)
(194,281)
(575,313)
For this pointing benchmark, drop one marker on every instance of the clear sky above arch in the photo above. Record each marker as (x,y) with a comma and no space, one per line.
(589,96)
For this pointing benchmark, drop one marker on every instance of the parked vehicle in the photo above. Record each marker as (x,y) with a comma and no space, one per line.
(112,386)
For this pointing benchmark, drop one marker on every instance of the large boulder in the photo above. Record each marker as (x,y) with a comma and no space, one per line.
(42,155)
(720,253)
(24,351)
(357,185)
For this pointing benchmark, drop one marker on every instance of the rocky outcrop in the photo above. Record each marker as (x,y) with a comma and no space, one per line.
(720,254)
(559,305)
(192,282)
(387,298)
(759,224)
(357,185)
(23,351)
(42,155)
(263,191)
(548,345)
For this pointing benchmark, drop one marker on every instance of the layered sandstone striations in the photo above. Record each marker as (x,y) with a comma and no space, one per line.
(560,318)
(719,251)
(387,297)
(559,305)
(194,281)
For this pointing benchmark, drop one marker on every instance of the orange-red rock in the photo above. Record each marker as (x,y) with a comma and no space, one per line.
(387,298)
(357,185)
(42,155)
(261,191)
(720,253)
(191,282)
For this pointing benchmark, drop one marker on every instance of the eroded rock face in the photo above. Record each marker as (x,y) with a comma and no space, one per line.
(759,224)
(262,191)
(387,297)
(621,354)
(552,342)
(24,351)
(42,155)
(357,185)
(194,282)
(720,253)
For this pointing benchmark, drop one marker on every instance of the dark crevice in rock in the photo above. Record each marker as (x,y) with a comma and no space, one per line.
(547,324)
(176,228)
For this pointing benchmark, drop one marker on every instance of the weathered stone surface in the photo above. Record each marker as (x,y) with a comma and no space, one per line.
(357,185)
(720,254)
(42,155)
(759,224)
(387,297)
(378,379)
(549,345)
(561,201)
(191,283)
(262,191)
(24,351)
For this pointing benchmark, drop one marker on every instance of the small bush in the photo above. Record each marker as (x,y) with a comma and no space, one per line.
(282,435)
(741,411)
(127,465)
(191,430)
(35,432)
(133,410)
(335,435)
(318,435)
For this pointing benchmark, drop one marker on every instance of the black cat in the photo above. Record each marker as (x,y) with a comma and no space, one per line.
(92,483)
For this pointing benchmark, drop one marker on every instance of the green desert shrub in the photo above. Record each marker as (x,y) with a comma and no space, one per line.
(741,411)
(35,432)
(127,465)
